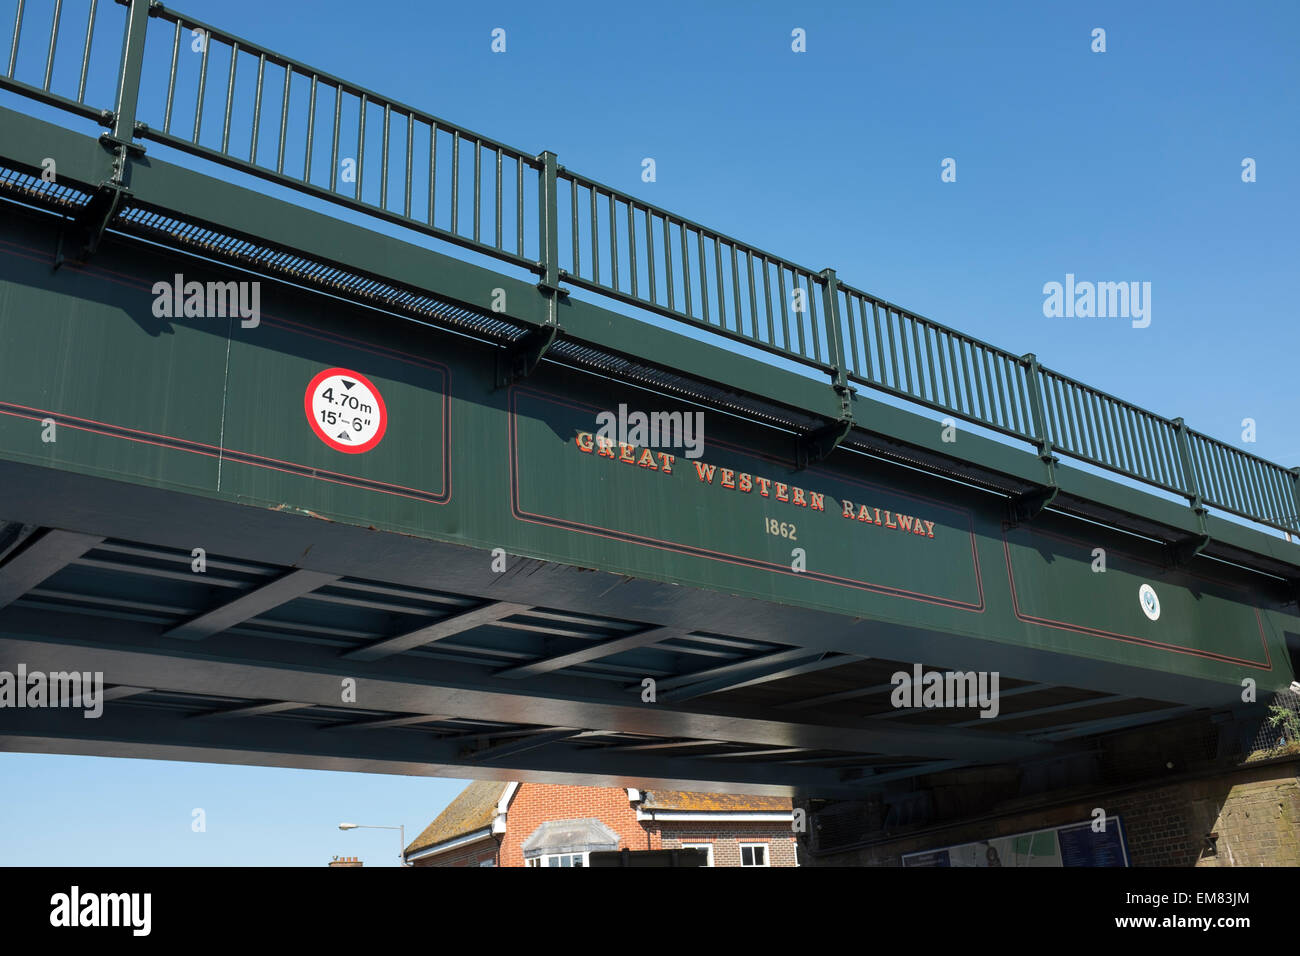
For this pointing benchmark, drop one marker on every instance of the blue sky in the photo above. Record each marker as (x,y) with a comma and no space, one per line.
(1115,166)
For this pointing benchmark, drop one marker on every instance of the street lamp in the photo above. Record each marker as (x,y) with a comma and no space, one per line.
(366,826)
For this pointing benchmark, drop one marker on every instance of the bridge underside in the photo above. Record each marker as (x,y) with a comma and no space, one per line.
(531,674)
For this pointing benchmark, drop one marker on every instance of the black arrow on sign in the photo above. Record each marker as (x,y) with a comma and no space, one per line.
(347,384)
(344,435)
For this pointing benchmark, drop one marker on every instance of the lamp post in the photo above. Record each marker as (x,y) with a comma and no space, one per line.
(366,826)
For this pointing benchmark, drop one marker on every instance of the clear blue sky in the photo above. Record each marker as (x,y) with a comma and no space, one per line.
(1123,165)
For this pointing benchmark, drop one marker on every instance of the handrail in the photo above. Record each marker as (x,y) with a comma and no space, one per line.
(565,227)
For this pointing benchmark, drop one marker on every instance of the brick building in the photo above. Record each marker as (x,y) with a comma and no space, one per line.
(537,824)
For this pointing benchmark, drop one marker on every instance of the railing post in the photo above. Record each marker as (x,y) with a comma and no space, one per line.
(1187,550)
(1191,490)
(128,80)
(820,443)
(520,360)
(834,339)
(548,222)
(1041,439)
(93,220)
(1028,505)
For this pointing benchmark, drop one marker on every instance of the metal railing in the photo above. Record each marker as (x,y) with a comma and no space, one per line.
(40,72)
(220,97)
(635,252)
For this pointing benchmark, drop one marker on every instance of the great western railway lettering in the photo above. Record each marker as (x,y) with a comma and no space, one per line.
(744,483)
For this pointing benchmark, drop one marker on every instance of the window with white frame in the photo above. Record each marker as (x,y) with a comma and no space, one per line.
(706,847)
(558,859)
(753,854)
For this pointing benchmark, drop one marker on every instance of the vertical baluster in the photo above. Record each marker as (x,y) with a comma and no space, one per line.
(498,197)
(735,292)
(1083,441)
(631,246)
(85,55)
(54,39)
(595,238)
(410,155)
(915,362)
(613,242)
(361,143)
(704,274)
(785,307)
(668,261)
(13,49)
(980,391)
(383,162)
(926,333)
(311,134)
(519,205)
(717,269)
(203,85)
(993,366)
(455,181)
(230,98)
(686,267)
(753,298)
(882,376)
(171,77)
(897,379)
(478,183)
(577,259)
(867,368)
(335,141)
(650,253)
(767,301)
(433,171)
(815,324)
(941,337)
(284,123)
(257,107)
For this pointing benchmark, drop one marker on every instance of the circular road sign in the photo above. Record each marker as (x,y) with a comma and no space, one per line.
(345,410)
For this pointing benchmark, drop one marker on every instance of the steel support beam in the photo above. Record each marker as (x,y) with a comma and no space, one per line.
(51,552)
(518,746)
(252,710)
(775,671)
(456,624)
(258,601)
(596,651)
(379,723)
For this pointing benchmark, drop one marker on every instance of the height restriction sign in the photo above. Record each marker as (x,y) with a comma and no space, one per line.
(345,410)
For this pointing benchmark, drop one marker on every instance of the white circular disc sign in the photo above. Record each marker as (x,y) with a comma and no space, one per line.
(1150,601)
(345,410)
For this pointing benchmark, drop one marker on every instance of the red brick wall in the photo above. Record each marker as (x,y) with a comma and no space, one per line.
(727,837)
(535,803)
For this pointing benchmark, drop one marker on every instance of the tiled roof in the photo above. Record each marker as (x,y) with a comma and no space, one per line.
(705,802)
(473,809)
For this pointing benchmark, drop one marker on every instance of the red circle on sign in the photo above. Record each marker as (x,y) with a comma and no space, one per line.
(325,436)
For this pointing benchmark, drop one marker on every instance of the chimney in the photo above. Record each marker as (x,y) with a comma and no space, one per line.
(345,861)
